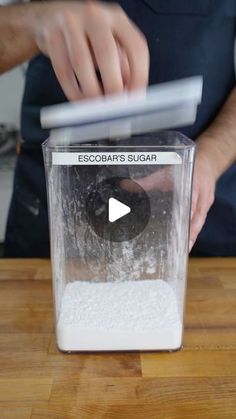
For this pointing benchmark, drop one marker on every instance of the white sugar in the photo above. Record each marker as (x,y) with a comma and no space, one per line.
(123,315)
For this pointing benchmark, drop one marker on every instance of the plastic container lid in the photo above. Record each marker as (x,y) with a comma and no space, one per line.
(167,105)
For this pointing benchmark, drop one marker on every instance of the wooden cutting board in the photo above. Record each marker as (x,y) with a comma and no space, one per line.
(37,381)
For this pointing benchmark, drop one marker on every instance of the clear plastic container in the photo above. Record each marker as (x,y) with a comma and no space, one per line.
(119,224)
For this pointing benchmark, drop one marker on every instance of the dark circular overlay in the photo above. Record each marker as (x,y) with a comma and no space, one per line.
(128,192)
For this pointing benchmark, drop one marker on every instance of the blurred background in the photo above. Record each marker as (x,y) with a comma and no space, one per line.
(11,90)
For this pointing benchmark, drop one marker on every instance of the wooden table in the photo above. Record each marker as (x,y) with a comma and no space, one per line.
(37,381)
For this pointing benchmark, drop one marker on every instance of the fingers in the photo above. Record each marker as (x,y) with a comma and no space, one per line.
(130,186)
(124,65)
(116,32)
(203,203)
(83,37)
(197,223)
(81,60)
(161,180)
(194,201)
(118,64)
(120,51)
(107,57)
(135,46)
(57,51)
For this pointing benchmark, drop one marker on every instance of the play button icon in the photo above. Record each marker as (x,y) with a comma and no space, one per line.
(117,209)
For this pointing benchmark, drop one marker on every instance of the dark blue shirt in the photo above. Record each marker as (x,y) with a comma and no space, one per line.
(185,38)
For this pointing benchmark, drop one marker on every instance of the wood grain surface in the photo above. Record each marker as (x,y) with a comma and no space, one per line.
(37,381)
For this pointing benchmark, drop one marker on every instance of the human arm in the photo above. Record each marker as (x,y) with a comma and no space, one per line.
(215,153)
(16,46)
(79,37)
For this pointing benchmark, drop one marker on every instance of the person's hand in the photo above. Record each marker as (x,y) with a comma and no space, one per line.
(82,37)
(204,182)
(203,192)
(161,180)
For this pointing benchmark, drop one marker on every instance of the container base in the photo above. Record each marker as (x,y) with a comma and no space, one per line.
(71,338)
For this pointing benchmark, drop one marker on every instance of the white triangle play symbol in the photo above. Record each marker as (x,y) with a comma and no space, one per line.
(116,210)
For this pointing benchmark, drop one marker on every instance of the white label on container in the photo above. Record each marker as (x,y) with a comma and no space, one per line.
(115,158)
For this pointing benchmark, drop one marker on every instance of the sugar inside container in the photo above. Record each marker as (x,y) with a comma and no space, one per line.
(119,196)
